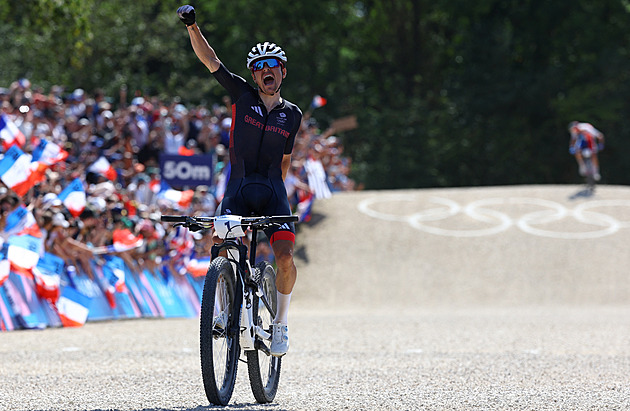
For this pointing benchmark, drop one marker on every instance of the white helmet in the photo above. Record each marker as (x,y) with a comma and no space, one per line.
(264,50)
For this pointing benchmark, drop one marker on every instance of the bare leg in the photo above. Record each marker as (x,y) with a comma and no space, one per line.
(287,272)
(580,161)
(285,278)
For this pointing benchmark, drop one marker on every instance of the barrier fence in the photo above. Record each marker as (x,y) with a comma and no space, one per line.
(54,295)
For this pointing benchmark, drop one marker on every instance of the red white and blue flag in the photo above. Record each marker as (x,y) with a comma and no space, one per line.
(74,197)
(23,253)
(178,199)
(304,206)
(17,172)
(116,276)
(10,134)
(47,274)
(21,221)
(73,307)
(198,267)
(104,168)
(124,240)
(49,153)
(318,101)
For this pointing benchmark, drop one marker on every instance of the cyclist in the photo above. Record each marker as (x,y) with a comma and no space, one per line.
(263,130)
(585,136)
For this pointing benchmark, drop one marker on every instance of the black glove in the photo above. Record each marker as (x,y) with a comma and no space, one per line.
(186,14)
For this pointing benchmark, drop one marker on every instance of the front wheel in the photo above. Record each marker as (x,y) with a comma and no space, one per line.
(263,368)
(219,321)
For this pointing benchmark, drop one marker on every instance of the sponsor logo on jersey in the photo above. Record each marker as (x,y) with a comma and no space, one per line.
(282,119)
(267,128)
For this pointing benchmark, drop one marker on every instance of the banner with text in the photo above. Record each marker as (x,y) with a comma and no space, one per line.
(186,171)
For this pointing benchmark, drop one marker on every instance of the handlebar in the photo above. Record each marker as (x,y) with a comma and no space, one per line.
(198,223)
(174,218)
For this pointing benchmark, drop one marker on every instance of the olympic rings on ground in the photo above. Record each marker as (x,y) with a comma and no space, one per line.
(481,211)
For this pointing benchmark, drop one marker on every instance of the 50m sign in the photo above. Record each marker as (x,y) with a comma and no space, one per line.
(186,171)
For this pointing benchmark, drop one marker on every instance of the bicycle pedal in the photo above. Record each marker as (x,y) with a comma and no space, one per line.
(261,346)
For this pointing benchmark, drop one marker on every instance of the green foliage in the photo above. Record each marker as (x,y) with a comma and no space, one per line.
(447,93)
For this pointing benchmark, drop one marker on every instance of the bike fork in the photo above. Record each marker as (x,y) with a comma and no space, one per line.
(249,328)
(247,331)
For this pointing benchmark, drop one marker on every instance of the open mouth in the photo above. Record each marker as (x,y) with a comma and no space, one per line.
(268,79)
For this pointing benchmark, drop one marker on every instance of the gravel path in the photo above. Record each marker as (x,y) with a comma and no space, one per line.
(404,319)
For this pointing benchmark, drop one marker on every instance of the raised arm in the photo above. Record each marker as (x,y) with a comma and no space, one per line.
(200,45)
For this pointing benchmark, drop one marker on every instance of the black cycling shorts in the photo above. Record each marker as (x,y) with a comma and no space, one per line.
(257,195)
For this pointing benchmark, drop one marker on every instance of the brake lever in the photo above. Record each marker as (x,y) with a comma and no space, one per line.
(194,227)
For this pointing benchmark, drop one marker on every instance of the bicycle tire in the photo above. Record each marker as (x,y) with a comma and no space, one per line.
(263,368)
(219,342)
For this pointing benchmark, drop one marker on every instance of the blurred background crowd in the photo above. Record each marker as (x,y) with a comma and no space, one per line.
(131,131)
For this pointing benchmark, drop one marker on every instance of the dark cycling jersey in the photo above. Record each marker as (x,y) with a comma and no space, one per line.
(258,139)
(258,142)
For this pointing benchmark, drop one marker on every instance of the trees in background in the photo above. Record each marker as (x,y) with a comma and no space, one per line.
(447,93)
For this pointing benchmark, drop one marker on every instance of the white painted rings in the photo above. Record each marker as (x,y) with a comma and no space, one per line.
(589,215)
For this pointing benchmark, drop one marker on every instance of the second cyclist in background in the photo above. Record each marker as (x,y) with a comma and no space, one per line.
(264,126)
(586,137)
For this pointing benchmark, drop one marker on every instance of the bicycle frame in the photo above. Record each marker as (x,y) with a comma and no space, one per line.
(242,266)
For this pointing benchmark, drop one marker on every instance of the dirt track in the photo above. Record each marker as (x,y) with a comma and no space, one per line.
(375,262)
(490,298)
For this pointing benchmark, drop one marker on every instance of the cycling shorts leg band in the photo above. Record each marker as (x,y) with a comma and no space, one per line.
(282,235)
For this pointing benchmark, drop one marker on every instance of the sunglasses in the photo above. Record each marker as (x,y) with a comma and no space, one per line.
(260,64)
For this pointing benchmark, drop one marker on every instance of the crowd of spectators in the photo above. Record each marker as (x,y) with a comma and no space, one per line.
(131,132)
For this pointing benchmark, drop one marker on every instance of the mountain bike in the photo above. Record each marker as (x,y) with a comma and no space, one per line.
(238,306)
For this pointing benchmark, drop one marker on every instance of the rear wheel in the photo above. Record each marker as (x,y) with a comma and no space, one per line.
(263,368)
(219,319)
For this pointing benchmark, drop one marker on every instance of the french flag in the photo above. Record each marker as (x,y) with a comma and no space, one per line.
(47,274)
(17,172)
(180,198)
(23,253)
(20,221)
(32,230)
(198,267)
(116,275)
(49,153)
(104,168)
(154,185)
(74,197)
(73,307)
(10,134)
(305,206)
(124,240)
(318,101)
(46,284)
